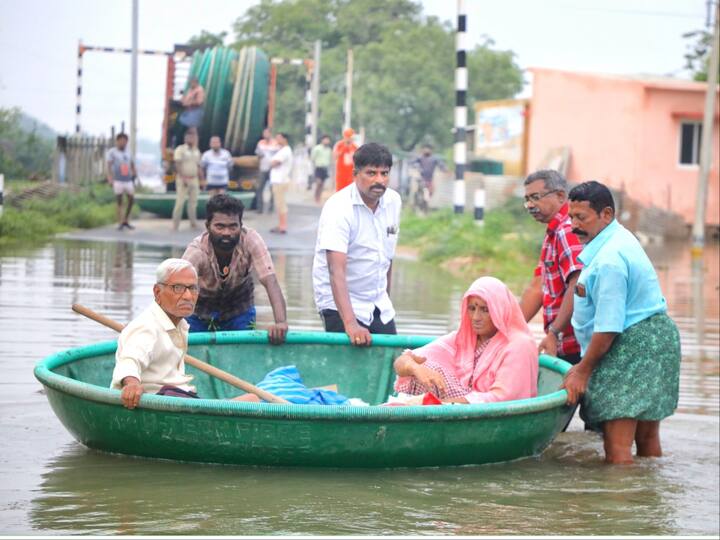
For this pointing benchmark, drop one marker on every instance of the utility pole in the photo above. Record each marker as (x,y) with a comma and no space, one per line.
(133,82)
(461,82)
(348,90)
(316,91)
(698,231)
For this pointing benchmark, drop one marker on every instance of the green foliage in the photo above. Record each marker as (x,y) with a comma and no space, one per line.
(506,246)
(403,83)
(492,74)
(23,152)
(38,219)
(697,57)
(206,40)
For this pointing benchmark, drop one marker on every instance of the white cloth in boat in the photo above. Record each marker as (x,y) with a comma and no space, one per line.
(152,349)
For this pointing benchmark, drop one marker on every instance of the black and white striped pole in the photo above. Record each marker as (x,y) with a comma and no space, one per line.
(78,91)
(82,49)
(308,106)
(309,75)
(479,212)
(461,82)
(309,123)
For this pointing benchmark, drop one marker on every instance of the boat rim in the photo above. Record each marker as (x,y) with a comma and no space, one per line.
(223,407)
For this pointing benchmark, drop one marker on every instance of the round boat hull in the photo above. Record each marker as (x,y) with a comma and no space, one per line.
(224,431)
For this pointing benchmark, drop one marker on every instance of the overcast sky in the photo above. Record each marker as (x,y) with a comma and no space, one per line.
(38,46)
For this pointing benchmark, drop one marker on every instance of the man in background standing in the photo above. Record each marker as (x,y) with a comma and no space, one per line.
(343,154)
(121,176)
(265,150)
(321,156)
(281,167)
(188,176)
(357,236)
(216,164)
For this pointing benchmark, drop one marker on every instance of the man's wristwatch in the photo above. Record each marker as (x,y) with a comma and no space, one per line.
(555,331)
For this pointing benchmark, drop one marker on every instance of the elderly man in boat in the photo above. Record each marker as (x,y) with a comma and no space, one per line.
(491,357)
(151,349)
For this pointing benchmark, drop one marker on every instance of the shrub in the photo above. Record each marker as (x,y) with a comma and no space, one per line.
(506,245)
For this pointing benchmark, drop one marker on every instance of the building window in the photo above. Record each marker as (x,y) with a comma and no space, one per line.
(690,134)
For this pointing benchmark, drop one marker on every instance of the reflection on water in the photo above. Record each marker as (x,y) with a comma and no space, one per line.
(567,491)
(50,483)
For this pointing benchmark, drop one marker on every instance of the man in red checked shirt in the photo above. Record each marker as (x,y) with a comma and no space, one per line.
(558,269)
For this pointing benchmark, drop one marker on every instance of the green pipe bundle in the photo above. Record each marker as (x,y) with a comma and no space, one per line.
(236,95)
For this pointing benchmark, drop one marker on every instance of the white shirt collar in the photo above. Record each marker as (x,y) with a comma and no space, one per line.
(164,320)
(357,199)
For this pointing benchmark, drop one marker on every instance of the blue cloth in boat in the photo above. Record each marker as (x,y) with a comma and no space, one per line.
(285,382)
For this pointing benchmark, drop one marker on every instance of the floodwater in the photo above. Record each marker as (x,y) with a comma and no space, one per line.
(51,484)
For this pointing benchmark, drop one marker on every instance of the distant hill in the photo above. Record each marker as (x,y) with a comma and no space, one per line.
(29,123)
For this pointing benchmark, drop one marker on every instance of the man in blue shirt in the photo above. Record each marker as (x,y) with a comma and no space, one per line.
(630,368)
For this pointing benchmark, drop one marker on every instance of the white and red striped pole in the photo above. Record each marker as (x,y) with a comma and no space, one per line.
(461,82)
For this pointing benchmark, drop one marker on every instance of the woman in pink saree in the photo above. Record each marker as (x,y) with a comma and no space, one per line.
(491,357)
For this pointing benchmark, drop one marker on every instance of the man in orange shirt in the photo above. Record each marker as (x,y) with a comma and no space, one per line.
(343,154)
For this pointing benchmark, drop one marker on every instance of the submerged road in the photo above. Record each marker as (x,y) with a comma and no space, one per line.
(303,215)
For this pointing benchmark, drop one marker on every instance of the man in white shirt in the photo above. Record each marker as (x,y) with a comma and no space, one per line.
(217,164)
(281,167)
(357,236)
(151,349)
(266,148)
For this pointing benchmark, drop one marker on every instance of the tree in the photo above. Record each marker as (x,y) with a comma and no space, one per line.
(23,152)
(492,74)
(206,40)
(403,85)
(697,56)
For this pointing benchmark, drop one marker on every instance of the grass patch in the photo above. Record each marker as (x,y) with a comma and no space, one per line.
(506,246)
(37,219)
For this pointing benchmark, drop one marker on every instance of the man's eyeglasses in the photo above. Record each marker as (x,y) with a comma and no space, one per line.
(179,288)
(535,197)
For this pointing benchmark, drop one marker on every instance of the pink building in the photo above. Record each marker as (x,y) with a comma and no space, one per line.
(637,135)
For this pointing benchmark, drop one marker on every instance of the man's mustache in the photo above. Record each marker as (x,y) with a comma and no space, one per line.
(378,186)
(578,232)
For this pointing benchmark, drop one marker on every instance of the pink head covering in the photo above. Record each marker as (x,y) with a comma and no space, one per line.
(505,313)
(508,367)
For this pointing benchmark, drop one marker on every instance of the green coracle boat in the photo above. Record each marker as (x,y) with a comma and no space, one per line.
(162,204)
(223,431)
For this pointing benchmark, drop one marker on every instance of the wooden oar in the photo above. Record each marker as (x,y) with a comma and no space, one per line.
(199,364)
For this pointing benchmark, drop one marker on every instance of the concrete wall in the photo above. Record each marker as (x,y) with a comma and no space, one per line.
(623,132)
(662,180)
